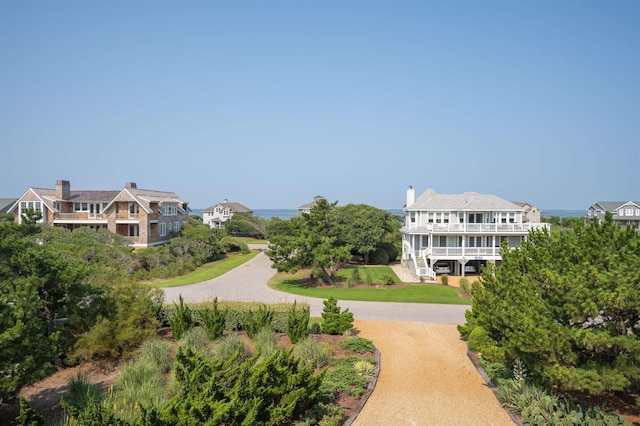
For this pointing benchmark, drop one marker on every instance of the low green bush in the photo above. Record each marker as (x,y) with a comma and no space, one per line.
(358,344)
(387,279)
(444,279)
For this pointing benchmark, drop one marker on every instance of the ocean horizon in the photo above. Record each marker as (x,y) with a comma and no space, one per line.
(289,213)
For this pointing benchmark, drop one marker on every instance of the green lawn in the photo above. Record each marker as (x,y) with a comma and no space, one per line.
(413,293)
(248,240)
(208,271)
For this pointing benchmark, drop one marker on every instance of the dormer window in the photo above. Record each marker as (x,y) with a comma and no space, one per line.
(170,209)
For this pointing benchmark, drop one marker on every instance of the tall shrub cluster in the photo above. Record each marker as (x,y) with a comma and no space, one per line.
(567,304)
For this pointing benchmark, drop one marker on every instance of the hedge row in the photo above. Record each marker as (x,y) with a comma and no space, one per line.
(234,313)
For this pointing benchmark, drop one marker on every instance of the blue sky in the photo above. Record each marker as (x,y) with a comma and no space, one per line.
(270,103)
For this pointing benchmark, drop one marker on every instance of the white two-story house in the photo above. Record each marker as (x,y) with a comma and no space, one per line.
(216,215)
(458,233)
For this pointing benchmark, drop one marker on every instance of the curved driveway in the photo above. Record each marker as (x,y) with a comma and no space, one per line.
(248,283)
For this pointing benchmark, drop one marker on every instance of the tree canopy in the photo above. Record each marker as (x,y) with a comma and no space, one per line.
(568,305)
(246,225)
(329,236)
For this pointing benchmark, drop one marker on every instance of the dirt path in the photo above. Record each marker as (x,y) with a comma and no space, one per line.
(426,378)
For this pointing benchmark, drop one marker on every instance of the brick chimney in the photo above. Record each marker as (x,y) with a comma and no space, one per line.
(63,189)
(411,196)
(130,185)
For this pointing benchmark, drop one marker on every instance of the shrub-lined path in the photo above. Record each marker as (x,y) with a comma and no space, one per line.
(425,377)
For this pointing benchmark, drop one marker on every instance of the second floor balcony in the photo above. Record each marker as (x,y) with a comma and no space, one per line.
(474,228)
(79,217)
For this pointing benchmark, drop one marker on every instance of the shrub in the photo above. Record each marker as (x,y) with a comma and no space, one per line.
(252,322)
(182,320)
(286,388)
(316,328)
(358,344)
(355,276)
(297,323)
(28,416)
(387,279)
(465,288)
(121,330)
(213,320)
(364,368)
(368,278)
(444,279)
(379,257)
(230,245)
(342,378)
(335,322)
(392,251)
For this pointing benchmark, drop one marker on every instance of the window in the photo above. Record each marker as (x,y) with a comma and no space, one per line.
(621,212)
(413,217)
(170,209)
(430,217)
(176,226)
(56,205)
(134,208)
(80,207)
(163,229)
(461,217)
(637,212)
(134,230)
(629,212)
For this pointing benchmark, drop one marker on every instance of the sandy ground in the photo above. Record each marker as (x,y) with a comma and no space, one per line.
(426,378)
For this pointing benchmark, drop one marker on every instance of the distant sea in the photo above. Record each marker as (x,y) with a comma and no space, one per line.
(289,213)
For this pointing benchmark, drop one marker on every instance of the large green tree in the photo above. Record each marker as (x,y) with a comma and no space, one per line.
(315,243)
(364,227)
(568,305)
(246,225)
(27,348)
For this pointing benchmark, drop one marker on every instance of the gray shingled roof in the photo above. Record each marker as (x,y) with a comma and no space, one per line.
(468,201)
(234,207)
(6,203)
(612,206)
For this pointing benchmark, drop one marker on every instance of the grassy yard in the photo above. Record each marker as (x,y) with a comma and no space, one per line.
(208,271)
(413,293)
(248,240)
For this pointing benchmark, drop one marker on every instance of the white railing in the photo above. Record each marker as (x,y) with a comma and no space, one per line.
(79,216)
(422,271)
(483,228)
(459,252)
